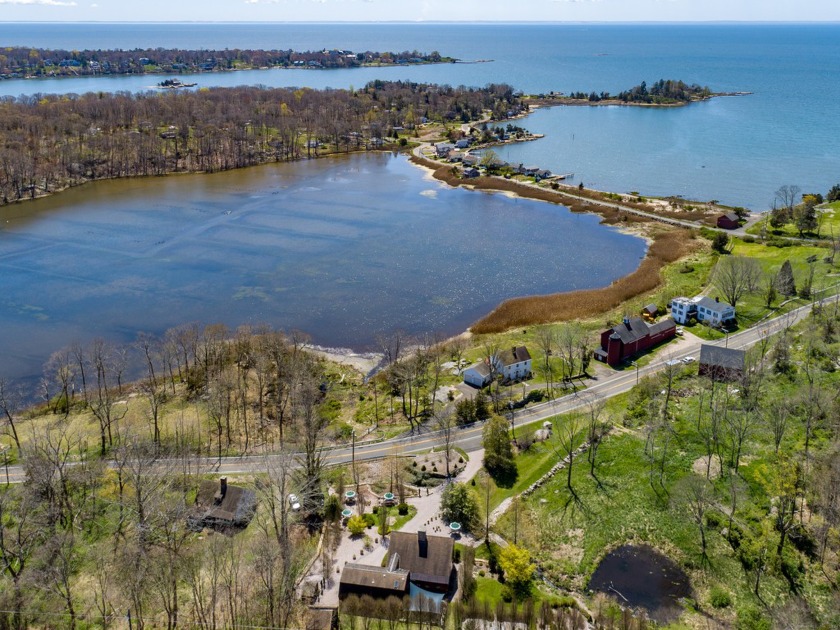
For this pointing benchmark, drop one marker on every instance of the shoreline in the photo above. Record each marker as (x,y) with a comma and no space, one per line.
(535,101)
(665,245)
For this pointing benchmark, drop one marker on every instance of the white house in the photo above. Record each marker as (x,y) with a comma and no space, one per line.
(703,309)
(511,365)
(514,364)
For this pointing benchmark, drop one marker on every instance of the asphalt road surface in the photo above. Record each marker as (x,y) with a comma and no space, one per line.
(469,437)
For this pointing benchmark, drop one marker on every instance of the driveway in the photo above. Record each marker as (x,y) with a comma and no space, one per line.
(351,549)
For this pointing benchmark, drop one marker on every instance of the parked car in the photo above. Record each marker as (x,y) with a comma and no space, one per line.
(688,360)
(294,502)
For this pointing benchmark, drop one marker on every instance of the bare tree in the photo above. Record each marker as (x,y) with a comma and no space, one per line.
(568,436)
(695,494)
(734,276)
(546,337)
(103,406)
(787,195)
(445,421)
(10,401)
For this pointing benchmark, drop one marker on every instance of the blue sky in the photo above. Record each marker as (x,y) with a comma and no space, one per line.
(419,10)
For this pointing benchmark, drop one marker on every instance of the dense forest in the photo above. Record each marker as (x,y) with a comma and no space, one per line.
(18,61)
(48,143)
(660,93)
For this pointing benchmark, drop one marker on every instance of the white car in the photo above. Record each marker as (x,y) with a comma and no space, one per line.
(688,360)
(294,502)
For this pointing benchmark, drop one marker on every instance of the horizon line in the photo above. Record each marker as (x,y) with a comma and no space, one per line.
(413,22)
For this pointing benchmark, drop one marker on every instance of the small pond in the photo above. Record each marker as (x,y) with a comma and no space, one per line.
(640,577)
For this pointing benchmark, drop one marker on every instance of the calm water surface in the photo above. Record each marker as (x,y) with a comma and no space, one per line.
(737,150)
(345,249)
(341,248)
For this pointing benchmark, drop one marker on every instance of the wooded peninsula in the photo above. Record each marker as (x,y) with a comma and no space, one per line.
(23,62)
(54,142)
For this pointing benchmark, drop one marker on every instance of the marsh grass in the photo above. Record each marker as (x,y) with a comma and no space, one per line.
(667,247)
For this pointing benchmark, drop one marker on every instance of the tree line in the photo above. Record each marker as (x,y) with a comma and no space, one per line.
(661,92)
(16,61)
(51,142)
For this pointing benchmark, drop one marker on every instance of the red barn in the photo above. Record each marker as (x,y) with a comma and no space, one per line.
(728,221)
(631,337)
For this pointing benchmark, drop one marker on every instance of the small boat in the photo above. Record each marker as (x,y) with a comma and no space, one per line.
(173,84)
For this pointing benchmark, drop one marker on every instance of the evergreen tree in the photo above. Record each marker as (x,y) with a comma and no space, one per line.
(498,454)
(720,243)
(784,281)
(805,216)
(482,411)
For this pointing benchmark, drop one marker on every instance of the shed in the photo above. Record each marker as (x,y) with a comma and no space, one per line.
(728,221)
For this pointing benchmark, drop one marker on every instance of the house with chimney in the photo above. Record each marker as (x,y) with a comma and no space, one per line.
(221,505)
(418,565)
(631,337)
(512,365)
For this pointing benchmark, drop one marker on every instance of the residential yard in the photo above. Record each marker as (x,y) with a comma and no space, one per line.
(638,496)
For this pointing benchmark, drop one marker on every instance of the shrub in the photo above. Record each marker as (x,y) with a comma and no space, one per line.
(369,519)
(752,619)
(456,555)
(402,509)
(481,573)
(713,520)
(720,597)
(356,525)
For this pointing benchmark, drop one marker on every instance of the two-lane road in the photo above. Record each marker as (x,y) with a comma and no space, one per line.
(469,437)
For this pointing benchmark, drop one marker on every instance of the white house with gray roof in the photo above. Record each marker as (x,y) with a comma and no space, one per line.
(703,309)
(512,365)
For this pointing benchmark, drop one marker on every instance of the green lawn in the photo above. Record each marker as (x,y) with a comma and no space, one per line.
(828,217)
(569,537)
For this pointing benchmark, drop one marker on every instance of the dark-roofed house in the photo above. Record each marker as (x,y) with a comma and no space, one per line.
(650,311)
(721,364)
(428,559)
(632,336)
(221,505)
(415,561)
(728,221)
(514,364)
(364,579)
(511,365)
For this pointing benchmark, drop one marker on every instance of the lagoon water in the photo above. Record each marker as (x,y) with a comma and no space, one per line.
(342,248)
(346,249)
